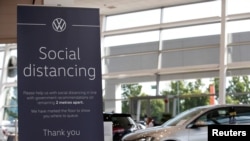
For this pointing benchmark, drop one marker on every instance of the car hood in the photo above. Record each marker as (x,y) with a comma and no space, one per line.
(153,132)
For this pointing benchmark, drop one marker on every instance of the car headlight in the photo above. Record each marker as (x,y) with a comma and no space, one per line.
(146,139)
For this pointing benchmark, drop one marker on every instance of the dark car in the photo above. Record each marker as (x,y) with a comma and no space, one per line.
(122,124)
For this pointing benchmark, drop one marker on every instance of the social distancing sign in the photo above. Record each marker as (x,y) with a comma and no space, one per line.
(59,74)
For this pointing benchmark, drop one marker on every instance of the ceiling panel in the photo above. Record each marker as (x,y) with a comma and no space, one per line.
(110,7)
(107,7)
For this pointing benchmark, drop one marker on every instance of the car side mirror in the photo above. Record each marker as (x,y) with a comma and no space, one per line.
(197,124)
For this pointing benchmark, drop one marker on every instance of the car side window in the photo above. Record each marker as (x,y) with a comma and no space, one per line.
(229,115)
(221,116)
(218,116)
(241,115)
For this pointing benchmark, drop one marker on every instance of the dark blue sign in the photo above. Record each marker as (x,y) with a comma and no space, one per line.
(59,74)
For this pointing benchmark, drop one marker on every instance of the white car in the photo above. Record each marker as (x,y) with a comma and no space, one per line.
(192,125)
(8,130)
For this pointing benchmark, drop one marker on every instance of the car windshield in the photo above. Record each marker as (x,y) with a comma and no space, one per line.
(184,116)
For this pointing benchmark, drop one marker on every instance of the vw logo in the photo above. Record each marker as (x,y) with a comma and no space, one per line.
(59,24)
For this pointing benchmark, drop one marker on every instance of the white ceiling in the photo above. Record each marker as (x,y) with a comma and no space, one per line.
(110,7)
(107,7)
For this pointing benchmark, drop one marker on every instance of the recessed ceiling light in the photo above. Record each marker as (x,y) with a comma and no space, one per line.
(111,7)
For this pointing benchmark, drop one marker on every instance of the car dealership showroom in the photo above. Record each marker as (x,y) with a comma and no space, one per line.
(124,70)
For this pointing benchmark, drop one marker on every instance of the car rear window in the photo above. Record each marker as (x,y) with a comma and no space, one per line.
(120,120)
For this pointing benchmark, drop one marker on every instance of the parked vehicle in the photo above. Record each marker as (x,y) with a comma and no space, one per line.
(192,125)
(8,130)
(122,124)
(141,125)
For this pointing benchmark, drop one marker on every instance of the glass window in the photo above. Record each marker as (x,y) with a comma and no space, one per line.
(10,103)
(133,19)
(238,26)
(228,115)
(191,11)
(149,88)
(1,58)
(1,73)
(218,116)
(192,31)
(238,6)
(12,66)
(133,38)
(184,116)
(242,115)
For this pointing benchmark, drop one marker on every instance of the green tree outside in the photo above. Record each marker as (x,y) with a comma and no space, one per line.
(129,90)
(190,95)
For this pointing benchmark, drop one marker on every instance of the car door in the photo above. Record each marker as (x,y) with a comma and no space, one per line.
(198,134)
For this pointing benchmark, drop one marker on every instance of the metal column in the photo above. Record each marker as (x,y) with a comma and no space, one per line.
(223,53)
